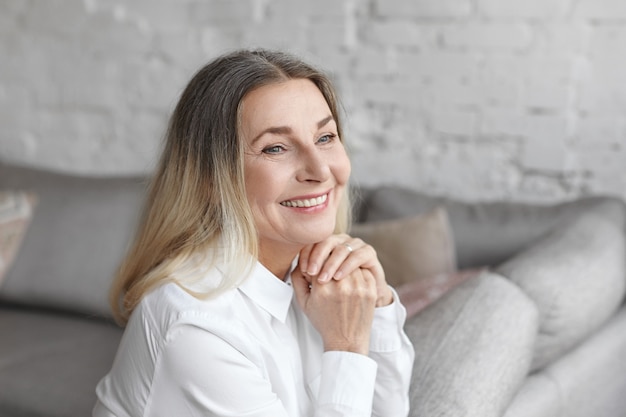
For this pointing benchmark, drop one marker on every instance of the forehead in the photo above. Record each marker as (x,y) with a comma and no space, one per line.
(279,103)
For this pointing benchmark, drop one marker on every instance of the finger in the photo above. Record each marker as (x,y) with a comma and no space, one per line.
(384,295)
(319,253)
(368,277)
(303,259)
(353,262)
(346,258)
(361,281)
(365,258)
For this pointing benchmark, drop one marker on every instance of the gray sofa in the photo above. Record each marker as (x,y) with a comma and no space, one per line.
(542,333)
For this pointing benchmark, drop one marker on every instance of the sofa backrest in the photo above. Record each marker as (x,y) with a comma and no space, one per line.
(485,233)
(80,230)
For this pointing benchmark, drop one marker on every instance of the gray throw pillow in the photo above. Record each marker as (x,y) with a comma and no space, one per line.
(79,233)
(411,248)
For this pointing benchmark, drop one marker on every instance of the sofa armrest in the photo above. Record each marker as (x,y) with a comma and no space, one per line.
(473,349)
(575,275)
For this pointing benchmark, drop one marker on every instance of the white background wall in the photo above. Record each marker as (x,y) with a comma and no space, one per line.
(477,99)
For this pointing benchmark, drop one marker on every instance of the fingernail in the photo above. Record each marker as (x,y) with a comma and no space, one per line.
(313,269)
(338,274)
(323,277)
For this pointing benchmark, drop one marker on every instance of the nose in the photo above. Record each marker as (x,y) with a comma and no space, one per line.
(314,166)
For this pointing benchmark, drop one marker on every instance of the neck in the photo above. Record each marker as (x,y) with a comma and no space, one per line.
(277,260)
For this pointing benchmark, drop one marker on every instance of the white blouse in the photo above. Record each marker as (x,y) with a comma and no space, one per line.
(250,352)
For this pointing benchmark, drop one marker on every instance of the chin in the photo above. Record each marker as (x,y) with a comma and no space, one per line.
(319,236)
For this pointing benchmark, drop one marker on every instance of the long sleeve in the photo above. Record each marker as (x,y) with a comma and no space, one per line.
(346,385)
(393,352)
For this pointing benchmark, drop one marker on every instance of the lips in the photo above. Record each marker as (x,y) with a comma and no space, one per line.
(308,202)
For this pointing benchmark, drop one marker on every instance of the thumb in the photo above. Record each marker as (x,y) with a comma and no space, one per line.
(300,287)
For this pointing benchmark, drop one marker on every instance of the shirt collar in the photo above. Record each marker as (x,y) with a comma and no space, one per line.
(269,292)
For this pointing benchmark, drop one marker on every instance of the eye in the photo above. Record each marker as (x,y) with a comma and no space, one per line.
(327,138)
(273,150)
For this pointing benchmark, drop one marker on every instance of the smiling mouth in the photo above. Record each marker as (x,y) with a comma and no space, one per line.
(309,202)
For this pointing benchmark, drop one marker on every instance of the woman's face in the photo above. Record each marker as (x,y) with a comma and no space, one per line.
(296,168)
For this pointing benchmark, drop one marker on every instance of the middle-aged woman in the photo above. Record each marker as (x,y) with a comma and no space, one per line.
(247,208)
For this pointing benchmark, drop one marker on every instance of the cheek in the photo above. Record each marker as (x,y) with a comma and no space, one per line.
(254,181)
(262,183)
(342,167)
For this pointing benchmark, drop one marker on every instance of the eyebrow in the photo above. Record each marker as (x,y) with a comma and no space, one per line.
(283,130)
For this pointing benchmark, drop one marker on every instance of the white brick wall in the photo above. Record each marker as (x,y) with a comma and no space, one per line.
(423,8)
(508,36)
(527,9)
(478,99)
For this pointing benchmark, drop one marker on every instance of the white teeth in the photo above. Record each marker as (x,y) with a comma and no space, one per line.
(311,202)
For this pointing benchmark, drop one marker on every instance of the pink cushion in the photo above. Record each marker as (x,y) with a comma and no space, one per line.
(16,209)
(418,294)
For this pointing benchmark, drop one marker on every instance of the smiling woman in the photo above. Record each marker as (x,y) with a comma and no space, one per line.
(296,168)
(246,211)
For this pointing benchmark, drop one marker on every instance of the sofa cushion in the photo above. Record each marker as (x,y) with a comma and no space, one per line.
(485,233)
(575,275)
(16,210)
(540,396)
(50,363)
(77,237)
(461,367)
(413,247)
(588,381)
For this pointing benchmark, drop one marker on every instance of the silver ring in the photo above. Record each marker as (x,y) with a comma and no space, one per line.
(348,246)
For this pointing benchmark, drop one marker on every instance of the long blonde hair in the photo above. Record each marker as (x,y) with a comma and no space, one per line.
(196,201)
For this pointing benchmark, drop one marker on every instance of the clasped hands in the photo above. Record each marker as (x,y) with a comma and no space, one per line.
(338,283)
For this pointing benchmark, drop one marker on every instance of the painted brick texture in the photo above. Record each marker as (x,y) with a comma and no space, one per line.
(476,99)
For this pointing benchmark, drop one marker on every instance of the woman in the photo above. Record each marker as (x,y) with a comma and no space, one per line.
(247,208)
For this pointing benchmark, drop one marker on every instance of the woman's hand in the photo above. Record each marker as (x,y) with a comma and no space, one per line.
(338,256)
(342,310)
